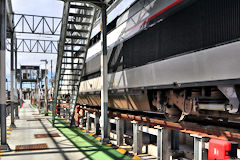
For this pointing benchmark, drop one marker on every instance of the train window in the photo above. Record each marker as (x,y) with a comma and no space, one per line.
(111,26)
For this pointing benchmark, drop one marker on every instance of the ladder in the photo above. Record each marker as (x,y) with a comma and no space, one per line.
(77,24)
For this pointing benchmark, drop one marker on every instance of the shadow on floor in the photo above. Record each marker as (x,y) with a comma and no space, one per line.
(80,140)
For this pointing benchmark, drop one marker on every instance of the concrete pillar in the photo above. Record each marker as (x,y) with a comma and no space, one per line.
(3,25)
(88,123)
(104,82)
(162,144)
(137,138)
(96,123)
(12,80)
(119,130)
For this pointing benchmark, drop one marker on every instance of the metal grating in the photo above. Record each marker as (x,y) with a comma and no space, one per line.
(46,135)
(36,119)
(30,147)
(32,120)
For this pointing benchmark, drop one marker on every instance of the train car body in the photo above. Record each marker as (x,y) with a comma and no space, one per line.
(177,57)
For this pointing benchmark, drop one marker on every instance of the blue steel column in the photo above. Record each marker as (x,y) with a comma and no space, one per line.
(4,145)
(104,82)
(12,89)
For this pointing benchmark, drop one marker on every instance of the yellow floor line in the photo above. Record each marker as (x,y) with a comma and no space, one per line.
(91,134)
(122,151)
(136,158)
(98,138)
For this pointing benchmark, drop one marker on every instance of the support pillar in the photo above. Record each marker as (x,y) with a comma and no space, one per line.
(3,24)
(109,129)
(16,107)
(119,130)
(12,80)
(21,94)
(88,123)
(46,91)
(199,150)
(137,138)
(104,82)
(15,65)
(38,95)
(64,112)
(174,140)
(96,123)
(162,144)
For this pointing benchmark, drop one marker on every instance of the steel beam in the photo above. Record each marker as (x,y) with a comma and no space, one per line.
(3,24)
(137,138)
(104,84)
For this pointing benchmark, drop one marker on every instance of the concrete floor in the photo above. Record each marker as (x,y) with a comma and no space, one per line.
(60,148)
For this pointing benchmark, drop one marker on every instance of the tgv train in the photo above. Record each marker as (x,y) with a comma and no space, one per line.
(176,57)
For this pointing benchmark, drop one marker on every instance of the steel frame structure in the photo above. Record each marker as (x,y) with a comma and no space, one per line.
(34,24)
(35,46)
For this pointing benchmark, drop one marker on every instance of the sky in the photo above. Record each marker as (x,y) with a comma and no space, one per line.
(51,8)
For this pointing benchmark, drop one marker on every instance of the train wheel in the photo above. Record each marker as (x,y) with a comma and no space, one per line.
(172,113)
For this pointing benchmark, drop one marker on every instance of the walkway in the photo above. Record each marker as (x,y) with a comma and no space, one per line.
(64,144)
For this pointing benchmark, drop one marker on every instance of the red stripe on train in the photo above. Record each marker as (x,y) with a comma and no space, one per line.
(158,13)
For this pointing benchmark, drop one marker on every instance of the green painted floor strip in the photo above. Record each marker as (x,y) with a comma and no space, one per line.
(87,144)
